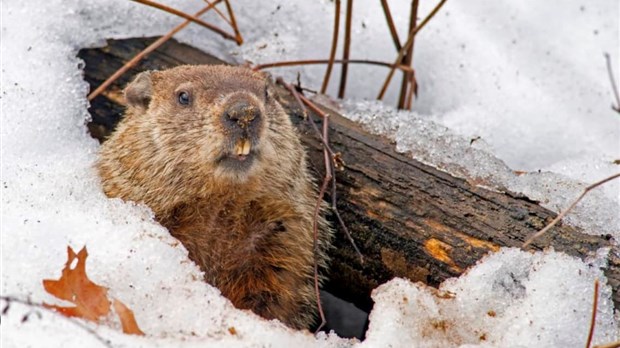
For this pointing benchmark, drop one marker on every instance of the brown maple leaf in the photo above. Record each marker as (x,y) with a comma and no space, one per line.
(91,300)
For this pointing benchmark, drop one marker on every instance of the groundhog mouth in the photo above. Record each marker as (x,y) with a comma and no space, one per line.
(241,157)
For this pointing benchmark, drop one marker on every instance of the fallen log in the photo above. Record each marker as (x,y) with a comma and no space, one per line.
(408,219)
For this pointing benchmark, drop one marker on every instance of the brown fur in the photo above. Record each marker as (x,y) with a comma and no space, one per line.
(249,228)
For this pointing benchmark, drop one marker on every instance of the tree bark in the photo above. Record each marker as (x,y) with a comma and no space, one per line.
(408,219)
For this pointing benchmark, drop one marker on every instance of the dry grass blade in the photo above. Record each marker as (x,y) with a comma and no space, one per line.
(594,309)
(345,51)
(562,214)
(332,52)
(188,17)
(152,47)
(613,83)
(405,48)
(325,61)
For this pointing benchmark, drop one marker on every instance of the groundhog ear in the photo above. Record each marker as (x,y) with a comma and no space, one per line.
(138,93)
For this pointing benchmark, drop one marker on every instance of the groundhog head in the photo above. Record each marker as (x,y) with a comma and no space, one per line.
(193,131)
(214,116)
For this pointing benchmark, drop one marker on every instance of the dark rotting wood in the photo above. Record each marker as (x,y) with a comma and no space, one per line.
(408,219)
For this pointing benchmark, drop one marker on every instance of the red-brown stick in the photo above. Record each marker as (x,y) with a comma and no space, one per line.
(325,61)
(302,101)
(186,16)
(152,47)
(562,214)
(407,83)
(594,310)
(390,23)
(219,13)
(345,52)
(406,47)
(233,23)
(332,52)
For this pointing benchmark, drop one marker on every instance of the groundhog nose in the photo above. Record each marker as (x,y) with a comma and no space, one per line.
(242,113)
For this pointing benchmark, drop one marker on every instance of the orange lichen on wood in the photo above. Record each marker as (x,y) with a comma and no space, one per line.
(440,251)
(469,240)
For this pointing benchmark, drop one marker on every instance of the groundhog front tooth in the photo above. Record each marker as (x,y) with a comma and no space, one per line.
(239,148)
(247,145)
(242,147)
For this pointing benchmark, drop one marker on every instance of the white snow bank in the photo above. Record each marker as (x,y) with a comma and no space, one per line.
(51,196)
(510,299)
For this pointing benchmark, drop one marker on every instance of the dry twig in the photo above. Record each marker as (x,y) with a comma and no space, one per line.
(594,309)
(613,84)
(301,100)
(329,158)
(608,345)
(345,53)
(390,23)
(562,214)
(233,23)
(408,85)
(404,49)
(332,52)
(188,17)
(28,303)
(152,47)
(325,61)
(219,13)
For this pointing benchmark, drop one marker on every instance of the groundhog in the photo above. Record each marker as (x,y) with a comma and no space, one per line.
(213,154)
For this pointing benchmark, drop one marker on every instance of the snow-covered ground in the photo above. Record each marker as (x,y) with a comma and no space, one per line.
(529,78)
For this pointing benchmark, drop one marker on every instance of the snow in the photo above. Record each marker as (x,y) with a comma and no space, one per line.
(504,301)
(528,78)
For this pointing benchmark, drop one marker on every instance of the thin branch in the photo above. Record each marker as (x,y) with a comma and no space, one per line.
(345,52)
(188,17)
(608,345)
(220,13)
(301,100)
(332,52)
(562,214)
(613,84)
(408,82)
(594,310)
(28,303)
(325,61)
(233,23)
(152,47)
(413,90)
(390,23)
(404,49)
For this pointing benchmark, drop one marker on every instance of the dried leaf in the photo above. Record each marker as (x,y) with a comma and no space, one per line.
(130,326)
(90,299)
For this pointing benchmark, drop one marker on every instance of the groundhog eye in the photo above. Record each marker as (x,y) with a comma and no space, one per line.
(183,98)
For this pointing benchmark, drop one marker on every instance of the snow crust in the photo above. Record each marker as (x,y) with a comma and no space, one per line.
(51,196)
(504,301)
